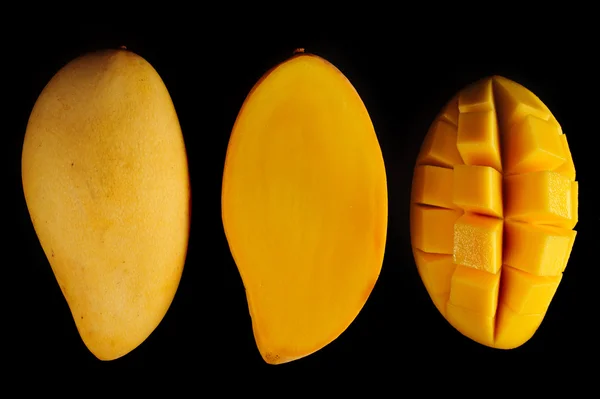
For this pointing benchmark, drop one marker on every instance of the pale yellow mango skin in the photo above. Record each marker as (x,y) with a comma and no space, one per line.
(105,178)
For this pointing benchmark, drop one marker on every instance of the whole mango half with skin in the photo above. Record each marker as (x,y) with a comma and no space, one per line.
(105,178)
(494,204)
(304,206)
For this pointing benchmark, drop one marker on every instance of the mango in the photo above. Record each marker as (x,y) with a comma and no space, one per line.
(105,178)
(304,206)
(494,204)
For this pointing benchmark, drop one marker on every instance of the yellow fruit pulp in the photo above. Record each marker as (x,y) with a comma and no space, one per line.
(304,206)
(493,208)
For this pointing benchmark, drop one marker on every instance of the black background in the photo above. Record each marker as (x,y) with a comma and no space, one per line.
(404,80)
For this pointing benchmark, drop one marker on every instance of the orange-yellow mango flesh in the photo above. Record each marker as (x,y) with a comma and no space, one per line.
(105,177)
(304,206)
(493,207)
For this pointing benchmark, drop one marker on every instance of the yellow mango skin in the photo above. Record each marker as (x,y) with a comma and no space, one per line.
(493,210)
(105,177)
(304,206)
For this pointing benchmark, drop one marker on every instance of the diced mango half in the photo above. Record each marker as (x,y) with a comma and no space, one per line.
(494,205)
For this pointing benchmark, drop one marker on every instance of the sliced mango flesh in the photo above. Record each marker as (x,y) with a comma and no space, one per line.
(494,205)
(304,206)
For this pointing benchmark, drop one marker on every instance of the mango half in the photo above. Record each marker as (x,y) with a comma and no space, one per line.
(105,178)
(493,208)
(304,206)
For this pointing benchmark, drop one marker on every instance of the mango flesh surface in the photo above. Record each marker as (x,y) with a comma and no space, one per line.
(105,178)
(304,206)
(494,204)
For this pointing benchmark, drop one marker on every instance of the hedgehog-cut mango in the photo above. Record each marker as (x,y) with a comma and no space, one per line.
(494,204)
(304,206)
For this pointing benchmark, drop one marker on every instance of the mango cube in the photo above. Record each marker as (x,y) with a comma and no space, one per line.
(478,242)
(477,139)
(433,186)
(567,168)
(450,112)
(431,228)
(477,97)
(543,197)
(537,249)
(438,148)
(478,189)
(532,145)
(475,290)
(514,102)
(526,293)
